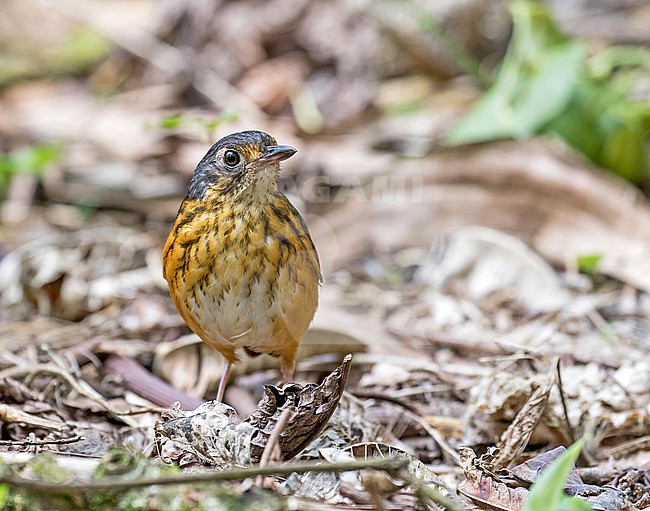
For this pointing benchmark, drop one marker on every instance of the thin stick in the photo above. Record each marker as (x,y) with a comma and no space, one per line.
(388,464)
(563,401)
(286,415)
(59,441)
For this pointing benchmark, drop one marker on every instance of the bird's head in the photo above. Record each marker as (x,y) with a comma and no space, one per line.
(241,165)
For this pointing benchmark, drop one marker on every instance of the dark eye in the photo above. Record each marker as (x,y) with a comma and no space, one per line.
(231,158)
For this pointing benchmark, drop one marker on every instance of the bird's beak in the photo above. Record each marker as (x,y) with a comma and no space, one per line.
(276,153)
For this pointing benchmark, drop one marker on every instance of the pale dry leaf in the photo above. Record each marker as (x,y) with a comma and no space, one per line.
(211,435)
(493,404)
(487,261)
(71,275)
(320,486)
(515,438)
(594,396)
(188,364)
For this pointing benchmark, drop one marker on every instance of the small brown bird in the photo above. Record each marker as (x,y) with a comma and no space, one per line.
(241,266)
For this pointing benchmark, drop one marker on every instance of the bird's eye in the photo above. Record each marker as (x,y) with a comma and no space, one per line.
(231,158)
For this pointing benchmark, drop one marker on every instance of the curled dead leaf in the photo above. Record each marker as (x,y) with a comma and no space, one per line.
(213,434)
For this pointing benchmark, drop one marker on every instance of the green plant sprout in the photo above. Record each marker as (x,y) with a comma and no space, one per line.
(547,494)
(547,85)
(181,120)
(33,160)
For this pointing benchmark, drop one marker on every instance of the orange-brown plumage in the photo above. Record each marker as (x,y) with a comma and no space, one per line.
(241,266)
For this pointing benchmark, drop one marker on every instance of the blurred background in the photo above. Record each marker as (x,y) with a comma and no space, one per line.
(474,174)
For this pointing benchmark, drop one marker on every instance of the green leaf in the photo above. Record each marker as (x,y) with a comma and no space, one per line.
(588,263)
(607,128)
(547,494)
(210,126)
(81,48)
(603,64)
(170,122)
(4,494)
(544,86)
(536,82)
(536,28)
(572,504)
(557,71)
(34,160)
(624,144)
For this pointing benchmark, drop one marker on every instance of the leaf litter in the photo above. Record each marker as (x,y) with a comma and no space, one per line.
(477,346)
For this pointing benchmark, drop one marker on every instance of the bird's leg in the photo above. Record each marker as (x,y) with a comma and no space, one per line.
(287,367)
(224,380)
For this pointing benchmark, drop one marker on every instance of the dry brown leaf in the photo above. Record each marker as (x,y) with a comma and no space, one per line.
(135,378)
(483,486)
(507,490)
(332,488)
(636,485)
(485,262)
(188,364)
(516,436)
(493,404)
(71,275)
(348,425)
(313,404)
(335,330)
(213,434)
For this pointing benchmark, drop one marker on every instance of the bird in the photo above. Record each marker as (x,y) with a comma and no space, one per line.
(240,263)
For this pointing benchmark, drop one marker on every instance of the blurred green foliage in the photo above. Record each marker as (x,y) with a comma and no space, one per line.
(120,465)
(207,126)
(4,495)
(34,160)
(170,122)
(29,58)
(547,494)
(81,49)
(588,263)
(547,85)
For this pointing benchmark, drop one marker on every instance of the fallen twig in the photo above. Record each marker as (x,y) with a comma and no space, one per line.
(10,414)
(56,441)
(388,464)
(287,415)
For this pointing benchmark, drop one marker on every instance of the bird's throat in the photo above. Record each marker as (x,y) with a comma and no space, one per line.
(262,188)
